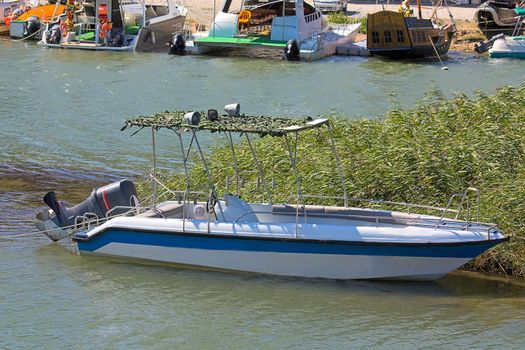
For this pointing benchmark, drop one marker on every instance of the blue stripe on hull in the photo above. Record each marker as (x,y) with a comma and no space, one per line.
(282,246)
(509,54)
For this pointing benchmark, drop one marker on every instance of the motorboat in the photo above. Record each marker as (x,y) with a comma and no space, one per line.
(505,46)
(400,35)
(291,29)
(30,24)
(307,236)
(508,47)
(113,25)
(498,16)
(7,7)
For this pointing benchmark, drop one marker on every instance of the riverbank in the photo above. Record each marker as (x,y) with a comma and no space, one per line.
(419,155)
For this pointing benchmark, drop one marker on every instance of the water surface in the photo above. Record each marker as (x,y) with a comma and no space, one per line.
(61,112)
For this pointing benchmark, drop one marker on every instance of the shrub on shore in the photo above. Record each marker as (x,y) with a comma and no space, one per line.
(422,155)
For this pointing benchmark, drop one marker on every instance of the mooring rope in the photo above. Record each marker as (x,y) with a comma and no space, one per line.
(29,36)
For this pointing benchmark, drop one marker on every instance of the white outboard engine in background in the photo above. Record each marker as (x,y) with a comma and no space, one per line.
(97,205)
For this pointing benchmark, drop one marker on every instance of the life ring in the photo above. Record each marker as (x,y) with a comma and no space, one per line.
(105,28)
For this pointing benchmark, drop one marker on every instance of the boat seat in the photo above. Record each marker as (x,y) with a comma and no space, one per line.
(164,210)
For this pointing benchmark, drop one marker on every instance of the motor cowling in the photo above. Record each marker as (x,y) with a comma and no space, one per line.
(177,45)
(97,205)
(291,51)
(53,36)
(32,26)
(486,45)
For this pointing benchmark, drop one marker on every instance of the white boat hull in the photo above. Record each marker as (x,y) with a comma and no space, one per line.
(276,249)
(293,264)
(508,47)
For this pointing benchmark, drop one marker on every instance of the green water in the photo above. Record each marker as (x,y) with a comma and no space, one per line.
(61,112)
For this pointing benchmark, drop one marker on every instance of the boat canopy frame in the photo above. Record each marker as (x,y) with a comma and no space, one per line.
(245,125)
(289,129)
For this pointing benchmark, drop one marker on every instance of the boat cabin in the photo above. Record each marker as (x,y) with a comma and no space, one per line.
(274,20)
(395,35)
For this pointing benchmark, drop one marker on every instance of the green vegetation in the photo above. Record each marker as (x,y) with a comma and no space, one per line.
(422,155)
(342,18)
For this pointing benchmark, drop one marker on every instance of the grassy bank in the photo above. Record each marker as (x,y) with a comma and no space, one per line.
(422,155)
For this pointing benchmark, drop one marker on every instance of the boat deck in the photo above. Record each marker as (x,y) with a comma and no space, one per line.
(241,41)
(88,46)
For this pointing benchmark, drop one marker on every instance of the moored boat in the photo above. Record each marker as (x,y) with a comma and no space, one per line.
(398,35)
(115,25)
(298,239)
(31,23)
(7,7)
(505,46)
(292,29)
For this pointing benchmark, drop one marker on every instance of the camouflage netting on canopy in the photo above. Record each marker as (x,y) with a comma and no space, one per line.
(261,125)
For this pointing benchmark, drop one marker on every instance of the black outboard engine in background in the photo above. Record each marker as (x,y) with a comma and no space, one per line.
(99,202)
(177,45)
(291,51)
(32,26)
(53,35)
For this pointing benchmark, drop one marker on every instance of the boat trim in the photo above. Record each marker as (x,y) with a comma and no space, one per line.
(80,238)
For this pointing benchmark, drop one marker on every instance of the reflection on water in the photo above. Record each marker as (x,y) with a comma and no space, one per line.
(60,131)
(118,303)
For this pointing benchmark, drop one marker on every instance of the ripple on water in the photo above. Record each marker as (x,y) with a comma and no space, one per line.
(70,142)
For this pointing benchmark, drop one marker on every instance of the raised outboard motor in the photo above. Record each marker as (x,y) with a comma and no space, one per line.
(291,51)
(53,36)
(97,205)
(116,37)
(32,26)
(484,46)
(177,45)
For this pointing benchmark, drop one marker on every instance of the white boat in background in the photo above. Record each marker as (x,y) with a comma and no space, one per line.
(113,25)
(508,47)
(505,46)
(7,7)
(292,29)
(326,241)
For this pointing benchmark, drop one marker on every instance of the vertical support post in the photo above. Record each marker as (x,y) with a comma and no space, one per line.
(293,162)
(208,174)
(235,164)
(154,185)
(143,2)
(284,13)
(213,18)
(338,163)
(186,199)
(259,169)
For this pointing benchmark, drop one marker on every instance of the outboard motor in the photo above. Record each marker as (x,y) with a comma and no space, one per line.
(32,26)
(53,35)
(484,46)
(177,45)
(116,37)
(98,204)
(291,51)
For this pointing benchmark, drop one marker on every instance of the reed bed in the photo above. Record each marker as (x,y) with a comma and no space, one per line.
(422,155)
